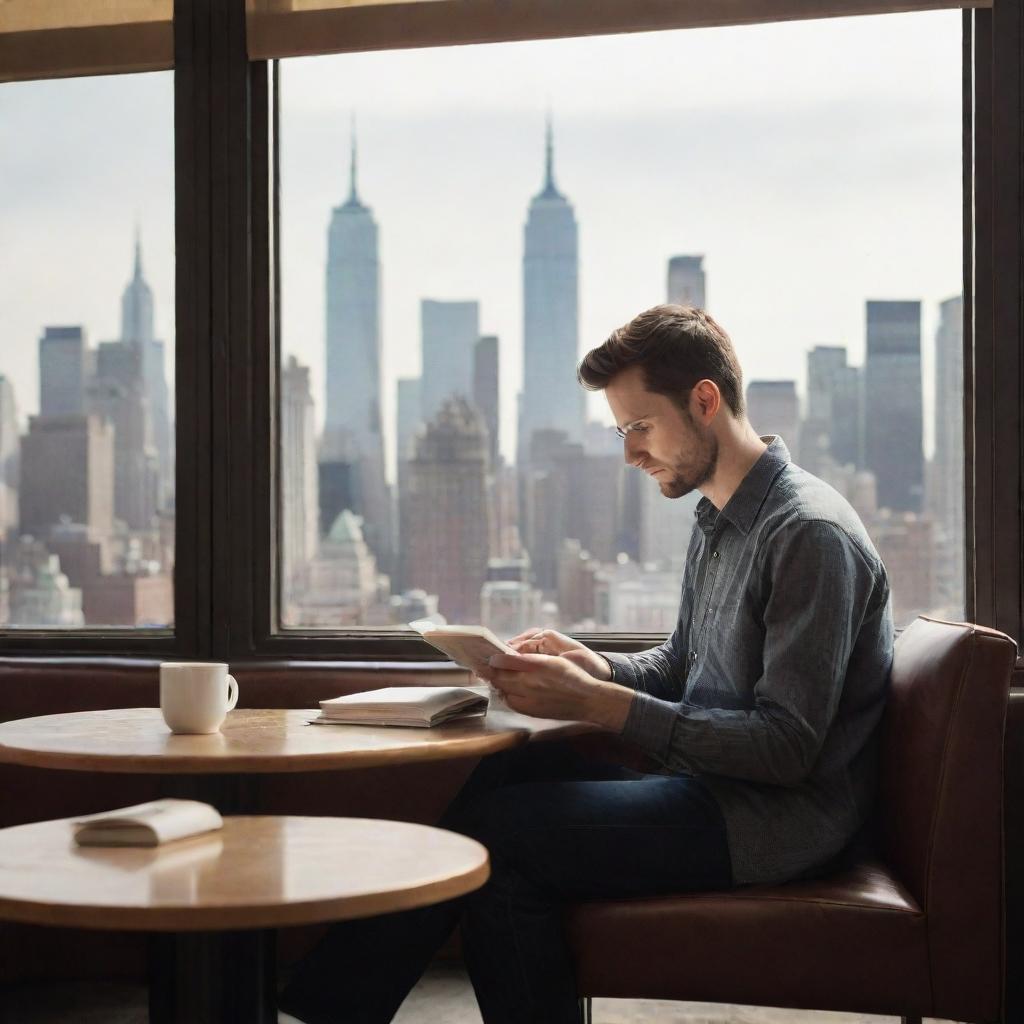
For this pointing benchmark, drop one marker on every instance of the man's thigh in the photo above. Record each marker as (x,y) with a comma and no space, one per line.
(609,838)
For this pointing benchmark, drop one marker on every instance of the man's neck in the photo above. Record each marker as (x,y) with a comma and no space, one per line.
(737,453)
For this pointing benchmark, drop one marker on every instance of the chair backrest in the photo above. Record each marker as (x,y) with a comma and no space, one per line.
(941,799)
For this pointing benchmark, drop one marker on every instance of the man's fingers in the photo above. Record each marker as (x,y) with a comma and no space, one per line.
(519,662)
(513,682)
(525,635)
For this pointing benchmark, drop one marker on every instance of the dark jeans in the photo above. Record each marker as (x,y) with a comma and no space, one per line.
(560,829)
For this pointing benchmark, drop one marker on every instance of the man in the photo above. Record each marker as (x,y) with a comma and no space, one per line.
(762,707)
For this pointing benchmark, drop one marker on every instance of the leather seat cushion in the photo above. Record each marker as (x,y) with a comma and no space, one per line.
(855,941)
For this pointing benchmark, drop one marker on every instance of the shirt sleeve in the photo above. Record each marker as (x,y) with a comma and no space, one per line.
(659,672)
(821,587)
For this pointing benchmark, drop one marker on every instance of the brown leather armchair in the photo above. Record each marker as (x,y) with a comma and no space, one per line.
(913,929)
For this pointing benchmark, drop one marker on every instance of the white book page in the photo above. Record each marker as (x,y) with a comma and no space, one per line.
(429,698)
(397,696)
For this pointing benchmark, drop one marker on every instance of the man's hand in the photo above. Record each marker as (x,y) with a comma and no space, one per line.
(547,641)
(547,686)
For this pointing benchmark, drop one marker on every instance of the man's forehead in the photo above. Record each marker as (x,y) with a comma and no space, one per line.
(628,396)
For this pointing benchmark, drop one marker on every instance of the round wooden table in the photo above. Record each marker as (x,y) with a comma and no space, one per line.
(215,768)
(214,900)
(254,740)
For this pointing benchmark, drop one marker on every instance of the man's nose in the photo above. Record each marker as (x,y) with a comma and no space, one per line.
(633,450)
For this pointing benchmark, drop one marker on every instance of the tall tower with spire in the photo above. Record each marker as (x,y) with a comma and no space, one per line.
(137,329)
(137,303)
(352,448)
(551,397)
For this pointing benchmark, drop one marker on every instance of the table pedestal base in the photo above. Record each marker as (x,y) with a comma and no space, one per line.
(213,978)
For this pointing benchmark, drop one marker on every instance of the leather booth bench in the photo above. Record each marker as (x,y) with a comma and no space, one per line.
(913,928)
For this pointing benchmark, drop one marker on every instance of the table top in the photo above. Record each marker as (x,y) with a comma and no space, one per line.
(254,740)
(255,872)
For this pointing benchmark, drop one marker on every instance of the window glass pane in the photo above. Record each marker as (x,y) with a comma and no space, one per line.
(496,211)
(86,356)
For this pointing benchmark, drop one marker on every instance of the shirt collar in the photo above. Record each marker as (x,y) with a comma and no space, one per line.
(743,507)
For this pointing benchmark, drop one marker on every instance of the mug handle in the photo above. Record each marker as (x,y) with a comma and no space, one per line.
(232,693)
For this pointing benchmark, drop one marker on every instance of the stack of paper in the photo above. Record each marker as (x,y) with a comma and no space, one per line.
(421,706)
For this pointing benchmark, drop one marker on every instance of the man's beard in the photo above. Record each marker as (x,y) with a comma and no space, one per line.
(682,478)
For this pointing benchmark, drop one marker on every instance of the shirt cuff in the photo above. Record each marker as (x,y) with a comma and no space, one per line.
(622,669)
(649,724)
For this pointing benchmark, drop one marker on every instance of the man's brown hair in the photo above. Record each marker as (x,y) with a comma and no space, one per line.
(675,347)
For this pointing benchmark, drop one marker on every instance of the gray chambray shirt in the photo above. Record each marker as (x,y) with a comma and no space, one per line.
(772,686)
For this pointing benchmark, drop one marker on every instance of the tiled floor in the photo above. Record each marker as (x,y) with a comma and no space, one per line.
(444,996)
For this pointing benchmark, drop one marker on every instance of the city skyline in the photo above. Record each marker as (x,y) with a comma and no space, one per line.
(91,479)
(457,230)
(93,443)
(840,174)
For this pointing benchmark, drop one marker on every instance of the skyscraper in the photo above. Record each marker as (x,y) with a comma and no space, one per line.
(686,281)
(486,391)
(10,447)
(299,484)
(773,408)
(67,470)
(833,421)
(449,333)
(63,368)
(892,404)
(409,419)
(554,500)
(445,551)
(137,328)
(352,431)
(409,416)
(947,477)
(117,392)
(551,398)
(343,580)
(666,524)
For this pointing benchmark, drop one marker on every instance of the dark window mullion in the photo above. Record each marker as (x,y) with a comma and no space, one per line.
(219,254)
(261,581)
(994,501)
(192,303)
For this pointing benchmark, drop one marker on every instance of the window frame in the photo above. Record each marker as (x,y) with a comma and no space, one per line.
(227,302)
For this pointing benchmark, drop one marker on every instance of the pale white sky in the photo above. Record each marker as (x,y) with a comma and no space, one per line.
(815,164)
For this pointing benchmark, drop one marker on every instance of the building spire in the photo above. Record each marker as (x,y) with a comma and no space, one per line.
(549,157)
(138,253)
(353,196)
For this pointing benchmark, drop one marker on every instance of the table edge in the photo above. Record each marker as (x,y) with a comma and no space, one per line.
(479,745)
(230,918)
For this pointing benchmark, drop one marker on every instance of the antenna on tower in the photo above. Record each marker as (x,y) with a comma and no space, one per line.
(353,194)
(138,249)
(549,153)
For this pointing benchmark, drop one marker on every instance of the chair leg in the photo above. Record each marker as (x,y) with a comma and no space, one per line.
(586,1010)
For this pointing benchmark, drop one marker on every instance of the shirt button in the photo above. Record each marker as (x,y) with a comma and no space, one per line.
(714,554)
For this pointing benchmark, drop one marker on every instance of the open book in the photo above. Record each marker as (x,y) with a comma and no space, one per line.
(151,824)
(421,706)
(468,646)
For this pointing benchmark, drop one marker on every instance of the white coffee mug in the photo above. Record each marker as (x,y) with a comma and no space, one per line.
(195,696)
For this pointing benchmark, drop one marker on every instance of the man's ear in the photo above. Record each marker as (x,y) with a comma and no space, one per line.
(708,400)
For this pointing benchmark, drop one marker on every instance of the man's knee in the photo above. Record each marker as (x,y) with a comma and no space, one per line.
(510,822)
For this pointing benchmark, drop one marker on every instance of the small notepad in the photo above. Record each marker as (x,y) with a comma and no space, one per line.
(149,824)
